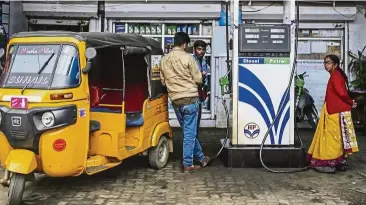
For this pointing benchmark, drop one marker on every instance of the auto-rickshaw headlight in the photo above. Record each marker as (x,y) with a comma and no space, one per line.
(48,119)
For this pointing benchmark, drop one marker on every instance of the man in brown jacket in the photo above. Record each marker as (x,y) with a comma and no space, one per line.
(180,74)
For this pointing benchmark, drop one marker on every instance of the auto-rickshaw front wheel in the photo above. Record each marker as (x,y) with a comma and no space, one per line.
(16,189)
(159,155)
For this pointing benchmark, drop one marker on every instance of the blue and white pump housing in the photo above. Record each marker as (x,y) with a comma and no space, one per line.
(262,61)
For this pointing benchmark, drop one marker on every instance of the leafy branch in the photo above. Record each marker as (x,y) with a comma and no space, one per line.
(357,66)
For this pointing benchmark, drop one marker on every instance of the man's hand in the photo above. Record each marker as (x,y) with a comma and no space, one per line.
(203,75)
(354,104)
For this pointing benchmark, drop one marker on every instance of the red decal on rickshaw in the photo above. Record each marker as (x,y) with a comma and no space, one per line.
(19,103)
(59,145)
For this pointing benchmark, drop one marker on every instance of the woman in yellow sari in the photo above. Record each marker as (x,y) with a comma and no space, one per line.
(335,137)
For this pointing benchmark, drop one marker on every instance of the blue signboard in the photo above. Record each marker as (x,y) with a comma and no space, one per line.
(120,28)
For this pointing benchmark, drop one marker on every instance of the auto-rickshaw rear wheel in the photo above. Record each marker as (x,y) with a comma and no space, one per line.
(159,155)
(16,189)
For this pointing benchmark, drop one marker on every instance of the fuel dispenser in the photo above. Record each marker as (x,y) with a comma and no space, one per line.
(263,95)
(263,74)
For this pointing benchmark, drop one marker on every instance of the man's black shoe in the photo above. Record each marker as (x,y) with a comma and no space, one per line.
(205,161)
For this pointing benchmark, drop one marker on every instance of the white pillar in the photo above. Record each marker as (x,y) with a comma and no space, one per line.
(106,25)
(234,22)
(93,25)
(289,18)
(289,11)
(110,26)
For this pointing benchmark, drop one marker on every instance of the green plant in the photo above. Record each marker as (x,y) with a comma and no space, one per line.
(357,66)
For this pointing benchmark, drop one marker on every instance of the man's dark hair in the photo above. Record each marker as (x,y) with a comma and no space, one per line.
(181,38)
(200,43)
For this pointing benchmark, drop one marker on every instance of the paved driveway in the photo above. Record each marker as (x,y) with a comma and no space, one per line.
(135,183)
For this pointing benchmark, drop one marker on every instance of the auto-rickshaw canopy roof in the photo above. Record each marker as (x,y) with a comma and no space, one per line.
(101,39)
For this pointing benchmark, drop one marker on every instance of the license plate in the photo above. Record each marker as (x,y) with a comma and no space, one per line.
(16,121)
(19,103)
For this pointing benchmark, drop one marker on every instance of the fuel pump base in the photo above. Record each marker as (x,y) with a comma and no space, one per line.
(248,156)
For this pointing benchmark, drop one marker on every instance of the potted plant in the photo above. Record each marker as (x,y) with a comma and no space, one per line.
(357,66)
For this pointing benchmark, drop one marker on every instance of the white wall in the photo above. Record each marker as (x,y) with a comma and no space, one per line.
(18,21)
(356,37)
(357,31)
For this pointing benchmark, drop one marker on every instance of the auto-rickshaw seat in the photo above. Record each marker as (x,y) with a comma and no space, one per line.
(94,96)
(112,97)
(135,85)
(135,96)
(99,95)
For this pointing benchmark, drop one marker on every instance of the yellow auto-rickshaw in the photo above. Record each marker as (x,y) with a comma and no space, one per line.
(74,103)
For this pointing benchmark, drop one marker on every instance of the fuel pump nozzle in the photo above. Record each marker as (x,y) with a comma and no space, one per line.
(224,84)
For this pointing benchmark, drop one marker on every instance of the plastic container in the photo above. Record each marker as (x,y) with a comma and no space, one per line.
(130,28)
(147,29)
(158,29)
(153,29)
(189,29)
(136,29)
(142,29)
(222,20)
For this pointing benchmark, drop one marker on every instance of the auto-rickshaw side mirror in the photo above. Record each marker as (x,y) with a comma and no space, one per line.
(90,53)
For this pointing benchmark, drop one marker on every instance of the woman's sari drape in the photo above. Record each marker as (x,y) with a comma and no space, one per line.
(334,140)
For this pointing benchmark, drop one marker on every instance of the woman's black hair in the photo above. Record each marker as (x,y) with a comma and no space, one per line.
(337,61)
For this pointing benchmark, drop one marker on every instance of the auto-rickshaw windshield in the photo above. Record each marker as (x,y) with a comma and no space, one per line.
(24,62)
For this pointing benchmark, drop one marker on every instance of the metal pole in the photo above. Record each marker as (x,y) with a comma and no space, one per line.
(101,15)
(234,22)
(289,17)
(346,47)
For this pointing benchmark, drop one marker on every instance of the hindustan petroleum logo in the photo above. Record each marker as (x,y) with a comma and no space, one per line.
(251,130)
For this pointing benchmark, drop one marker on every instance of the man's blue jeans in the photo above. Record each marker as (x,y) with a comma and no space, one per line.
(187,116)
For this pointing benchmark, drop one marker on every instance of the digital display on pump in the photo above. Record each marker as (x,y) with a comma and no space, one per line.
(264,38)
